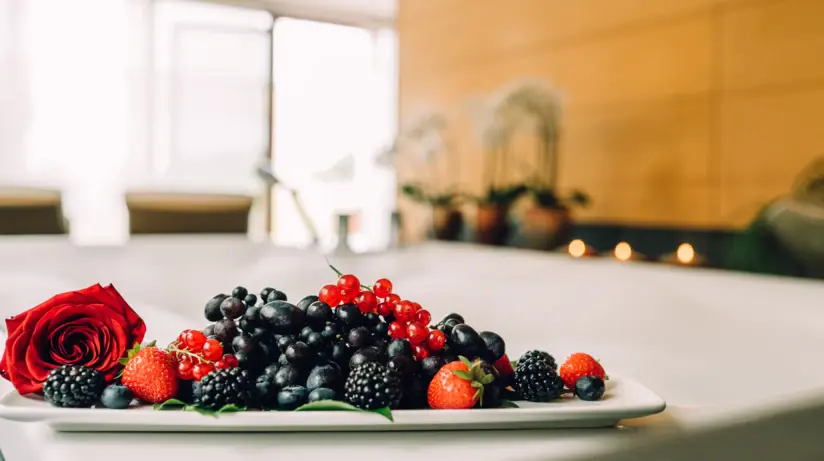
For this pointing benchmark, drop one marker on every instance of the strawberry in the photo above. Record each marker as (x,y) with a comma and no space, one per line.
(578,365)
(458,385)
(150,374)
(504,367)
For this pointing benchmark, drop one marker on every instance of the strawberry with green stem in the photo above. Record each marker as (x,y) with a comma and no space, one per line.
(458,385)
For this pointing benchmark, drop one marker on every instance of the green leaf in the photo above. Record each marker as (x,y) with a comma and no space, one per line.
(231,408)
(171,404)
(337,405)
(150,344)
(462,374)
(465,361)
(508,404)
(477,385)
(201,410)
(486,379)
(385,412)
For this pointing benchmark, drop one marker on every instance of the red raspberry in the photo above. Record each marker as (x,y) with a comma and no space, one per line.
(202,369)
(385,308)
(397,330)
(436,340)
(393,298)
(366,302)
(423,317)
(349,282)
(420,352)
(212,350)
(194,339)
(330,294)
(184,369)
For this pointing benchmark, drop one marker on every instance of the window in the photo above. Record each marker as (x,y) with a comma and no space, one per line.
(335,99)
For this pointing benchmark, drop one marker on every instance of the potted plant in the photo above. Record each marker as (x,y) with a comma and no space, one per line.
(434,173)
(534,107)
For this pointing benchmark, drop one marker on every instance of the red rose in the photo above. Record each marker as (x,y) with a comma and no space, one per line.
(92,327)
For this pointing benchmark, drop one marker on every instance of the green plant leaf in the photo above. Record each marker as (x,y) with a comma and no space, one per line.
(486,379)
(462,374)
(231,408)
(201,410)
(465,361)
(385,412)
(150,344)
(171,404)
(507,404)
(337,405)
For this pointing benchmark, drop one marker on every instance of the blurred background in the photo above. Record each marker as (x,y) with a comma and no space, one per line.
(673,131)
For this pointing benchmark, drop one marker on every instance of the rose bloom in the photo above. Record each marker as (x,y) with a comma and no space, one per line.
(93,327)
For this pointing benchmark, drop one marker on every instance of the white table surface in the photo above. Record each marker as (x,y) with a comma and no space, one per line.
(688,334)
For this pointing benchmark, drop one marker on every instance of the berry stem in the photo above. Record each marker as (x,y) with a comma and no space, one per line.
(176,350)
(366,287)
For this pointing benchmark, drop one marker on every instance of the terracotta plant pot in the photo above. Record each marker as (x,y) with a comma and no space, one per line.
(447,223)
(546,228)
(493,226)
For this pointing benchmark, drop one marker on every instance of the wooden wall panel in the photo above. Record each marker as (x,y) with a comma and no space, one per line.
(772,43)
(677,112)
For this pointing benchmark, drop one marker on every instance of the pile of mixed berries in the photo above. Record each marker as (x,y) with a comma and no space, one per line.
(364,345)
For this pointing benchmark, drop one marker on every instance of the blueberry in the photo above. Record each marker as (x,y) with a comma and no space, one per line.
(209,330)
(291,397)
(330,331)
(399,347)
(457,317)
(264,293)
(589,388)
(271,369)
(261,334)
(466,341)
(318,314)
(298,354)
(250,300)
(371,319)
(316,341)
(364,355)
(430,366)
(212,309)
(276,295)
(304,303)
(269,353)
(239,292)
(243,343)
(323,376)
(282,317)
(380,344)
(116,397)
(492,395)
(495,347)
(252,314)
(403,366)
(304,334)
(225,329)
(322,393)
(266,391)
(349,315)
(186,390)
(340,353)
(358,337)
(232,308)
(288,375)
(285,341)
(381,330)
(282,360)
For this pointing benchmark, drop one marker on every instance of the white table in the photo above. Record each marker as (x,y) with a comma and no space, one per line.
(687,333)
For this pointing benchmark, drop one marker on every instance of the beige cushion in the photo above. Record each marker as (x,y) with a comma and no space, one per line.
(173,213)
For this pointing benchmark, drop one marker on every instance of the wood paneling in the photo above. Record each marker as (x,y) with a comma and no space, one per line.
(772,43)
(677,112)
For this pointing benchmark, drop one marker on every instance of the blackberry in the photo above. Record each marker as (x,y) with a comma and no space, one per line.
(540,355)
(371,386)
(225,387)
(73,386)
(537,381)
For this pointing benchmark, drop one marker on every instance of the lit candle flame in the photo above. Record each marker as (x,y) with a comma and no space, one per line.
(623,251)
(577,248)
(685,253)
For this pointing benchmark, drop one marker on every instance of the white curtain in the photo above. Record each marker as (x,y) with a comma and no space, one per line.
(335,109)
(98,96)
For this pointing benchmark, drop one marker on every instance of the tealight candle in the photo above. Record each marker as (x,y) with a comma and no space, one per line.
(578,249)
(685,255)
(623,252)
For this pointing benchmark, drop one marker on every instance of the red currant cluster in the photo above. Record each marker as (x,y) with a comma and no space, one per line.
(406,319)
(196,355)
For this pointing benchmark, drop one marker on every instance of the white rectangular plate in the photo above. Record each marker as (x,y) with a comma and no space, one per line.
(624,399)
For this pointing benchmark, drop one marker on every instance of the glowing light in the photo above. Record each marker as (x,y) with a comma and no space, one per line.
(577,248)
(685,253)
(623,251)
